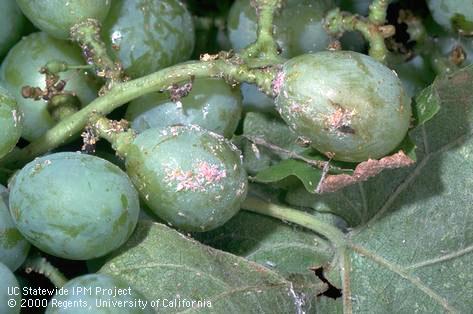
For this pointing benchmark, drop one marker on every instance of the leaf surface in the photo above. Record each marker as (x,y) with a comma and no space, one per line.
(307,174)
(164,264)
(426,105)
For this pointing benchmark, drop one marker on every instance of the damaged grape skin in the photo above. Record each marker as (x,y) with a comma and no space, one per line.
(351,107)
(73,205)
(188,176)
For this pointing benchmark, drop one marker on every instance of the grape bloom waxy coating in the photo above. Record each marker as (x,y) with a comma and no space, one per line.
(148,35)
(8,283)
(103,289)
(12,25)
(21,68)
(188,176)
(298,25)
(73,205)
(56,17)
(453,15)
(348,105)
(13,246)
(211,104)
(11,122)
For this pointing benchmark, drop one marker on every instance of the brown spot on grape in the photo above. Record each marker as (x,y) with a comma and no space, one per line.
(340,120)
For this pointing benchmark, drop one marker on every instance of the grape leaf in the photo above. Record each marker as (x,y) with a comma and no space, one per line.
(408,146)
(307,174)
(270,129)
(164,264)
(286,249)
(415,252)
(426,105)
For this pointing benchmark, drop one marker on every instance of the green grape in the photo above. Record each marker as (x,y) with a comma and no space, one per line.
(354,40)
(360,7)
(298,26)
(347,104)
(453,15)
(298,30)
(11,122)
(149,35)
(13,246)
(212,104)
(73,205)
(12,23)
(99,285)
(9,284)
(447,44)
(188,176)
(21,67)
(56,17)
(415,75)
(255,100)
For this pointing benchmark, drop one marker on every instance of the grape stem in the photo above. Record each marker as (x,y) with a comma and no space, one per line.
(57,66)
(115,132)
(265,45)
(87,35)
(41,266)
(378,10)
(62,106)
(230,69)
(338,22)
(321,164)
(333,234)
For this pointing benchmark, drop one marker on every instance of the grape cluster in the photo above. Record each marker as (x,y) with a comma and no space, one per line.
(178,153)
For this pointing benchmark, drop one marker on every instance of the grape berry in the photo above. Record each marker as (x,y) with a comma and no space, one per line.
(73,205)
(349,106)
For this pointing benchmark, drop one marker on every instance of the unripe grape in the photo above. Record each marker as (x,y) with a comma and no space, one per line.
(211,104)
(415,75)
(149,35)
(188,176)
(100,286)
(56,17)
(348,105)
(13,246)
(11,25)
(298,26)
(11,122)
(21,68)
(73,205)
(9,283)
(255,100)
(447,44)
(453,15)
(360,7)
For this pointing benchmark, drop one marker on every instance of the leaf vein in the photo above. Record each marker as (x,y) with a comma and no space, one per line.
(240,290)
(441,258)
(157,265)
(399,271)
